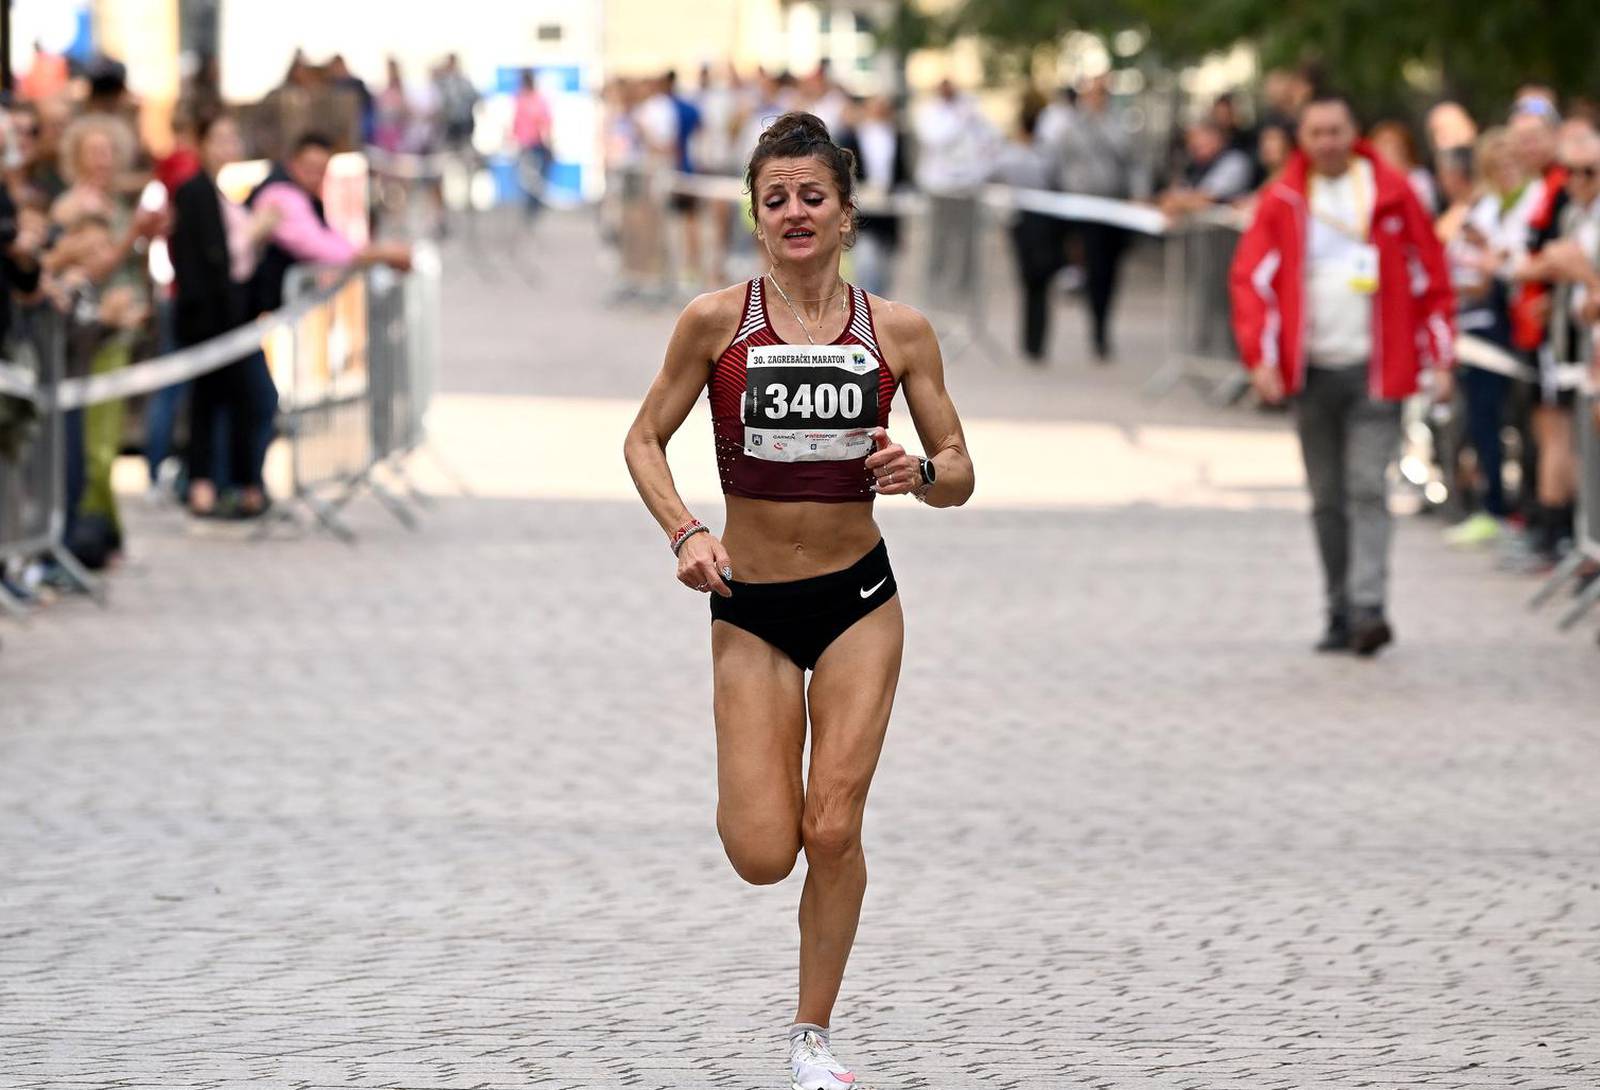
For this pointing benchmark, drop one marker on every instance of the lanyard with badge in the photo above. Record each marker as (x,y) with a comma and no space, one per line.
(1361,260)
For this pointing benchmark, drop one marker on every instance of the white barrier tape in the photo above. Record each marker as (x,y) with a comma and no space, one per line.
(723,187)
(711,187)
(1218,215)
(1079,207)
(1474,351)
(17,382)
(1570,376)
(147,376)
(410,166)
(1488,356)
(155,374)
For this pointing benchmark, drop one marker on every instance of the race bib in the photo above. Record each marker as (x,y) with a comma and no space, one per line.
(1363,269)
(809,403)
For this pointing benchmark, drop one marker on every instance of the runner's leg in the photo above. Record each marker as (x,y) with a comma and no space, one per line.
(851,694)
(760,710)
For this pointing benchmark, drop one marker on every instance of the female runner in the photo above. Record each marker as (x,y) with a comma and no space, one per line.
(801,369)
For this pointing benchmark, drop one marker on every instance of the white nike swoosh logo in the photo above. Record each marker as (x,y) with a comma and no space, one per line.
(867,593)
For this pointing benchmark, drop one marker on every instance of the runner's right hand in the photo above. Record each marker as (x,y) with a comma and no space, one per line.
(700,564)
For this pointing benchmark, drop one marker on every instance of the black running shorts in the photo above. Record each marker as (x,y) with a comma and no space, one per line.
(802,617)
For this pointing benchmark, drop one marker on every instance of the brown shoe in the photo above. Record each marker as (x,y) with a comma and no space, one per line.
(1369,632)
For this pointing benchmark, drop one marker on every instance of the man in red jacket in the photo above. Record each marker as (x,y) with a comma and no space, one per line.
(1340,297)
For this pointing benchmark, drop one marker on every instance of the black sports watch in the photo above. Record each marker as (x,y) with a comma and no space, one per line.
(929,472)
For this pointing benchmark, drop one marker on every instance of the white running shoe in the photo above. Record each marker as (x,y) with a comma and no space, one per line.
(813,1065)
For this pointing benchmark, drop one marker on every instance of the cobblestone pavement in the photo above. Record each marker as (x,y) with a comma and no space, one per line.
(435,811)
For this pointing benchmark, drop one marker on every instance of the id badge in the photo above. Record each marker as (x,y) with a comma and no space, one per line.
(1364,269)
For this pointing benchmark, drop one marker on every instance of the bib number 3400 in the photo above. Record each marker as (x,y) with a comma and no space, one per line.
(810,403)
(819,401)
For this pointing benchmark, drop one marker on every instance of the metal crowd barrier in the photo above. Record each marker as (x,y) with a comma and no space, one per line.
(1198,249)
(33,463)
(956,232)
(634,214)
(1197,259)
(1200,346)
(356,375)
(355,354)
(452,192)
(1586,545)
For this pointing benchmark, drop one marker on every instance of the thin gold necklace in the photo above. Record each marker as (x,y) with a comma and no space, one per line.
(785,297)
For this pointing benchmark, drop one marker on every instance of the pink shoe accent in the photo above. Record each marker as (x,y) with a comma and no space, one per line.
(844,1076)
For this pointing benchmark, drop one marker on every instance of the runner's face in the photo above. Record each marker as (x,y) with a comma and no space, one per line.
(798,211)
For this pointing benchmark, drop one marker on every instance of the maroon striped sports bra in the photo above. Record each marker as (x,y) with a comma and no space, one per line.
(791,420)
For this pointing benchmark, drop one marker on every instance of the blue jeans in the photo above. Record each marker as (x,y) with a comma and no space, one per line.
(164,405)
(160,413)
(1486,394)
(530,177)
(233,415)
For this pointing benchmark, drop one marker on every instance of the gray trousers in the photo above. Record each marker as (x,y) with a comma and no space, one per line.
(1348,439)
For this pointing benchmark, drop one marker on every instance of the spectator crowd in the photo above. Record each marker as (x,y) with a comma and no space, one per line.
(129,243)
(132,240)
(1512,210)
(1513,205)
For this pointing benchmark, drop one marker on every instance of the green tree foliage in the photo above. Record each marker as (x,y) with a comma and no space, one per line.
(1387,54)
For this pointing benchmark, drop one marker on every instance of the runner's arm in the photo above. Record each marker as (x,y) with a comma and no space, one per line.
(910,337)
(695,341)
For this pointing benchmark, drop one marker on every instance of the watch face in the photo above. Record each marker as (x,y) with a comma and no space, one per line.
(927,470)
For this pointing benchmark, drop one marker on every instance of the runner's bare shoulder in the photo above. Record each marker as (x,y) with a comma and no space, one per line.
(712,318)
(904,332)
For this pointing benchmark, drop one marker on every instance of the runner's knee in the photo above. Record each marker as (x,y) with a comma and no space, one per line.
(761,866)
(761,860)
(831,827)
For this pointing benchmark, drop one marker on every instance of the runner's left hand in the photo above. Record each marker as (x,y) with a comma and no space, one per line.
(894,471)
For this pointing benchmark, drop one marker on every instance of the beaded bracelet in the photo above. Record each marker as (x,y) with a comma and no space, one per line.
(685,532)
(676,549)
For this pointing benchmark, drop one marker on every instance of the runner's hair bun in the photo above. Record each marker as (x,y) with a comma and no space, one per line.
(796,126)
